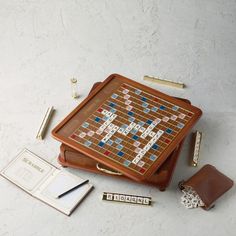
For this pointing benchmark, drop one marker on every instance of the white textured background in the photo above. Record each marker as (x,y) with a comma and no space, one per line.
(44,43)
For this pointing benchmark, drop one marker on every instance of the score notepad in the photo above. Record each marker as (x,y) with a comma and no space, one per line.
(45,181)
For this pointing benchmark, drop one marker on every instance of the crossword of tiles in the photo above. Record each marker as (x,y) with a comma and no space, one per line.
(132,128)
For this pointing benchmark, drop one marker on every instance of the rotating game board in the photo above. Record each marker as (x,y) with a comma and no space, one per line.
(127,126)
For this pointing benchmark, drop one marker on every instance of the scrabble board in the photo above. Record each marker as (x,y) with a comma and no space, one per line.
(127,126)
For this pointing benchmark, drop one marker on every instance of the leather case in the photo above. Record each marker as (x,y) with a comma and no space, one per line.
(71,158)
(209,183)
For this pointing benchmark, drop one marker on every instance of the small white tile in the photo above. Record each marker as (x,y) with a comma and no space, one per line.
(125,91)
(146,201)
(109,196)
(120,130)
(99,131)
(116,127)
(141,163)
(173,117)
(82,135)
(135,160)
(122,198)
(104,112)
(127,96)
(142,129)
(136,143)
(125,132)
(165,119)
(128,198)
(140,200)
(182,116)
(127,102)
(133,199)
(109,113)
(151,134)
(129,108)
(157,120)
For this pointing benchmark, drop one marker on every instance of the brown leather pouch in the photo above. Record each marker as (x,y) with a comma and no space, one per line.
(209,183)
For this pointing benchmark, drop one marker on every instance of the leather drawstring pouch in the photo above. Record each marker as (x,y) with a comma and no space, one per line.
(209,184)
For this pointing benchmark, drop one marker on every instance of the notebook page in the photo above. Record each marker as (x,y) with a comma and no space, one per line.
(61,182)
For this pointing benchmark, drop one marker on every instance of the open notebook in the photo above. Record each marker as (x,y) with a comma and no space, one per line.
(45,181)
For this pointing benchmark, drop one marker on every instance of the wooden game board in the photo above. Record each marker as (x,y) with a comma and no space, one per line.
(69,157)
(127,126)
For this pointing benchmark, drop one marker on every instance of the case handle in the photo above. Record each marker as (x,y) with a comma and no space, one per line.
(107,171)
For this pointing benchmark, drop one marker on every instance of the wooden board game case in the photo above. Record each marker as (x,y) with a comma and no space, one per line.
(69,157)
(127,126)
